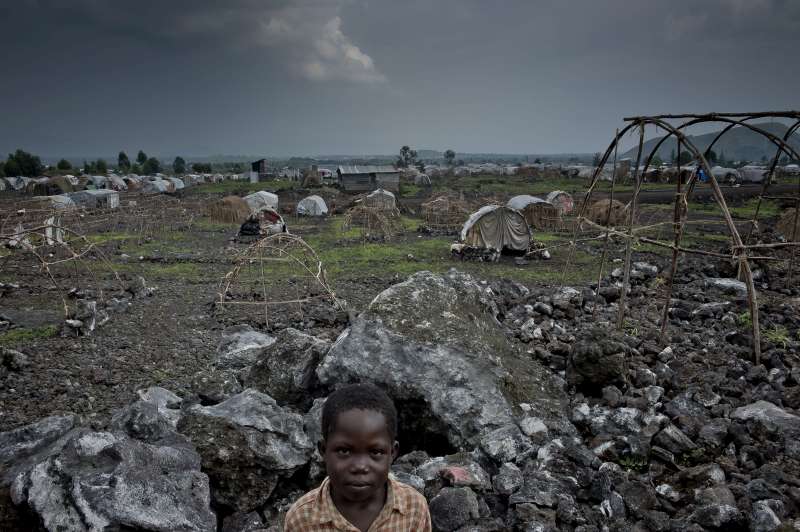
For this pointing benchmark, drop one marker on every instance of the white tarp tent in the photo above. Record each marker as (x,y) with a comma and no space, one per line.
(726,174)
(59,201)
(498,228)
(562,201)
(96,199)
(258,201)
(179,184)
(18,183)
(115,182)
(312,206)
(520,202)
(158,185)
(753,174)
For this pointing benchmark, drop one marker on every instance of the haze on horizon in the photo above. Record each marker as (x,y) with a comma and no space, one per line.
(305,77)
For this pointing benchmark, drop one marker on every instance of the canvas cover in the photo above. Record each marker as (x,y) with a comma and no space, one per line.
(561,201)
(177,182)
(115,182)
(312,206)
(158,185)
(522,201)
(496,227)
(261,200)
(59,201)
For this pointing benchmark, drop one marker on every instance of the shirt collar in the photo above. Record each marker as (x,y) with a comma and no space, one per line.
(327,512)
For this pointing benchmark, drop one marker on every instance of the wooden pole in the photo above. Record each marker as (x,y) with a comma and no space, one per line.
(629,242)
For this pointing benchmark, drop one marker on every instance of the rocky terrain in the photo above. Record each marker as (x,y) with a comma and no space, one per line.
(520,409)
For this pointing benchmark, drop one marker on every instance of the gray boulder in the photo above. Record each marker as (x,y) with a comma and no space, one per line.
(241,346)
(23,447)
(107,481)
(247,444)
(286,369)
(434,340)
(767,413)
(453,508)
(597,360)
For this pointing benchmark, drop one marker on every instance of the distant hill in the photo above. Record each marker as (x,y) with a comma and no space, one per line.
(738,144)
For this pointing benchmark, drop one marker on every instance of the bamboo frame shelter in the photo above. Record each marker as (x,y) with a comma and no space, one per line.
(742,250)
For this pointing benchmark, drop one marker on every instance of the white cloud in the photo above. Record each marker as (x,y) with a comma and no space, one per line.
(334,57)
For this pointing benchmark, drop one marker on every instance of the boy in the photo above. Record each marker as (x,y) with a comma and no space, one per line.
(359,430)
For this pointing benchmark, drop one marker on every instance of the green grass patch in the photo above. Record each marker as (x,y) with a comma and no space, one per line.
(744,210)
(111,236)
(19,336)
(211,226)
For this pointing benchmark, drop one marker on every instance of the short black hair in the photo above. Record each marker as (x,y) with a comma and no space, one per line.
(358,397)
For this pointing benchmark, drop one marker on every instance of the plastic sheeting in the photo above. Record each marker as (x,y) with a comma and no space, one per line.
(561,201)
(312,206)
(498,228)
(380,199)
(261,200)
(520,202)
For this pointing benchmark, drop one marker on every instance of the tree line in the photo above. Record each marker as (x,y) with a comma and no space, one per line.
(22,163)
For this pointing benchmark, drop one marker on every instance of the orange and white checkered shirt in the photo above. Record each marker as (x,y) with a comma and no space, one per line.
(405,511)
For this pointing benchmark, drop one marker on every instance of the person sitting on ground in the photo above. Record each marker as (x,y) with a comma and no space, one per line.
(359,430)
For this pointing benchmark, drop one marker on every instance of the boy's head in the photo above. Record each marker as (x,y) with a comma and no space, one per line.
(359,429)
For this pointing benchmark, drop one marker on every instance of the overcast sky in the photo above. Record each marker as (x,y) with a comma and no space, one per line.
(306,77)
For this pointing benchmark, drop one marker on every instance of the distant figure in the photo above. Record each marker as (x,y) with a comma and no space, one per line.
(359,430)
(701,175)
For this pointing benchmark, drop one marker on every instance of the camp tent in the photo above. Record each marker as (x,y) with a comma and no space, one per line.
(57,202)
(312,206)
(115,182)
(561,201)
(50,187)
(179,184)
(261,200)
(537,212)
(98,182)
(380,199)
(96,199)
(18,182)
(753,174)
(498,228)
(158,185)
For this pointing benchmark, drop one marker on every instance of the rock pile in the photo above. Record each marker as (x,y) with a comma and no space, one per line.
(520,409)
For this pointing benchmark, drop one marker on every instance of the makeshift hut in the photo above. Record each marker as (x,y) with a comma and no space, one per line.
(56,202)
(160,186)
(261,200)
(786,226)
(134,182)
(608,212)
(230,209)
(263,223)
(444,214)
(380,199)
(97,182)
(497,228)
(51,187)
(115,182)
(537,212)
(312,206)
(176,182)
(96,199)
(18,183)
(561,201)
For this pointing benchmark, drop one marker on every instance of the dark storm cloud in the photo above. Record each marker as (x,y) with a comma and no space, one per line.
(350,76)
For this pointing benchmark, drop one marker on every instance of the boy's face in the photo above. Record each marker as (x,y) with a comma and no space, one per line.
(358,455)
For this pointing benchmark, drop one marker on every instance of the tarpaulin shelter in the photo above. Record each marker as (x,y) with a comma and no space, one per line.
(562,201)
(115,182)
(261,200)
(56,202)
(498,228)
(97,182)
(539,213)
(380,199)
(96,199)
(178,183)
(312,206)
(158,185)
(51,187)
(18,183)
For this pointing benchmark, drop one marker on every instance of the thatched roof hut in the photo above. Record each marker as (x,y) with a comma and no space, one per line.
(444,213)
(230,209)
(608,212)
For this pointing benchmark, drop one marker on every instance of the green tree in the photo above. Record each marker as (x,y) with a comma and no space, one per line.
(201,168)
(151,166)
(712,156)
(2,169)
(656,161)
(537,161)
(179,165)
(64,165)
(141,158)
(672,158)
(123,163)
(407,157)
(596,159)
(136,169)
(100,167)
(449,157)
(88,168)
(23,163)
(685,158)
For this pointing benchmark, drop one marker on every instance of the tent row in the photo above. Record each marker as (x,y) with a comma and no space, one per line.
(49,186)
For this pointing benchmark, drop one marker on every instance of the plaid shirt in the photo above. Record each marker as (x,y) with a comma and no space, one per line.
(405,511)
